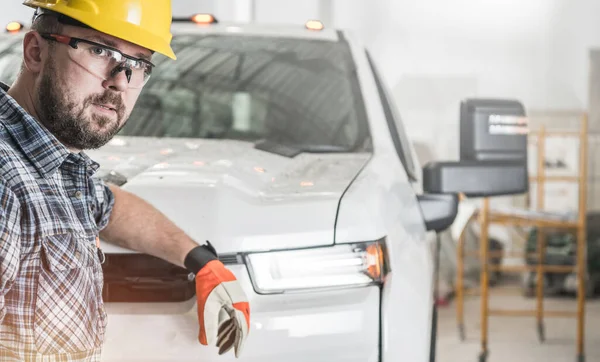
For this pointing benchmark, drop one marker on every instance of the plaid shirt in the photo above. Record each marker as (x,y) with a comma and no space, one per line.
(51,211)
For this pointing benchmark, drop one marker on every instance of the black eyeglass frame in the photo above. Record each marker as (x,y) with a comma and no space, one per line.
(72,42)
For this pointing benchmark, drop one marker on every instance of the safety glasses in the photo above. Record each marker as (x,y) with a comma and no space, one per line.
(104,61)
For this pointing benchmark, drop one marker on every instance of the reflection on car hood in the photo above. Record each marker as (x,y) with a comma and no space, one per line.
(226,191)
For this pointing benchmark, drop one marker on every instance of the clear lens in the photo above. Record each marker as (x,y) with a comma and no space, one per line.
(329,267)
(101,62)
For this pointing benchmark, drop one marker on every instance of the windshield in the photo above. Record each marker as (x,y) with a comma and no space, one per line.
(291,91)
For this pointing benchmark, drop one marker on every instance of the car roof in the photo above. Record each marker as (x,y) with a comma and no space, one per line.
(188,27)
(255,29)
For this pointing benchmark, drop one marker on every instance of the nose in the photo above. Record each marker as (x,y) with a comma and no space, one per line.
(118,80)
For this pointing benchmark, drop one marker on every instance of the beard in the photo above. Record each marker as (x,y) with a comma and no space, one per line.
(65,117)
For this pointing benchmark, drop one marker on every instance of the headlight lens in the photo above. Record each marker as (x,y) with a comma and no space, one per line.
(327,267)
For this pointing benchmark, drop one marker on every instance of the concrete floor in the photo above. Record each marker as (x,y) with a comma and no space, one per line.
(515,339)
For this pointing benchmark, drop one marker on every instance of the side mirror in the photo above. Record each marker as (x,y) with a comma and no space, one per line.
(439,211)
(493,158)
(475,178)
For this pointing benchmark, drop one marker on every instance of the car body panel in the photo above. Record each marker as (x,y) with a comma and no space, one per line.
(380,205)
(318,327)
(270,30)
(239,198)
(382,202)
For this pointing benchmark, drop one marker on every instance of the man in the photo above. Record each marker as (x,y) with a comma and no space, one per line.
(84,65)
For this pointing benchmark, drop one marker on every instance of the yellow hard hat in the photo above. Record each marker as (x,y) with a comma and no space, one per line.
(146,23)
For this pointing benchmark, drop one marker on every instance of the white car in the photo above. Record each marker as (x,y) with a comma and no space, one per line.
(282,147)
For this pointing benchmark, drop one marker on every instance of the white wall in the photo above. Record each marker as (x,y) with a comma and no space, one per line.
(14,10)
(435,53)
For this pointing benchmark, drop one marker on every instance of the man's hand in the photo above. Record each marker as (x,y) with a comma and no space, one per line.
(223,308)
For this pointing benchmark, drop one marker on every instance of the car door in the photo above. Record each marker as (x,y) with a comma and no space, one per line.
(421,264)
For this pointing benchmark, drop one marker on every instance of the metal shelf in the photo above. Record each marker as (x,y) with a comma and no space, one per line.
(485,217)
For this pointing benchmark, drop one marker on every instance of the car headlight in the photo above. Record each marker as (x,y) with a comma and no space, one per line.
(344,265)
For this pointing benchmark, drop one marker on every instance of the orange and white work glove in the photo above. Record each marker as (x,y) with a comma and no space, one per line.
(223,308)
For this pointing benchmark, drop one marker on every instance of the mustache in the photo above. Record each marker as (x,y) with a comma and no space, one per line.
(108,97)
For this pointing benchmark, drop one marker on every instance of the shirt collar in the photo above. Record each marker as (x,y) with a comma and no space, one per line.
(42,148)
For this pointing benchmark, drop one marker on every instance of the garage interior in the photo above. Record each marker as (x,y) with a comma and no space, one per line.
(433,54)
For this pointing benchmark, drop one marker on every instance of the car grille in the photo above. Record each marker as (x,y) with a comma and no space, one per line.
(231,259)
(142,278)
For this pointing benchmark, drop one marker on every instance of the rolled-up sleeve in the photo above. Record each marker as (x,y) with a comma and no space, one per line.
(10,235)
(104,201)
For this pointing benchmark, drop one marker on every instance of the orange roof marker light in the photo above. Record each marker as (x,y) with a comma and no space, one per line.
(200,19)
(314,25)
(204,19)
(14,27)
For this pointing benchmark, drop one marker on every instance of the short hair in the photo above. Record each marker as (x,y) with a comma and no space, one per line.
(45,23)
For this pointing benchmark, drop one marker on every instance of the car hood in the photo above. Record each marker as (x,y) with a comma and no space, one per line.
(239,198)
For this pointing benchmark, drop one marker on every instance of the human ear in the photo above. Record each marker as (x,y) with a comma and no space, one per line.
(32,52)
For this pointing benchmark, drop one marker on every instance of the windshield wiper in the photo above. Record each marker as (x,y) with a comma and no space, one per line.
(293,150)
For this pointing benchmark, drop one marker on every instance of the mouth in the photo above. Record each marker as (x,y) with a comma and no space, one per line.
(107,109)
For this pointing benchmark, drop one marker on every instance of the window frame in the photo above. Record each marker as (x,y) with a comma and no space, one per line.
(395,125)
